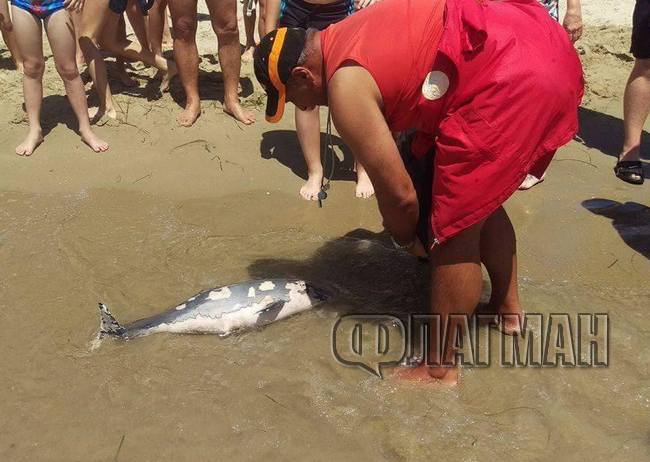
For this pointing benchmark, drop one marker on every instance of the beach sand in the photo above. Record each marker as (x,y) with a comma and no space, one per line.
(169,211)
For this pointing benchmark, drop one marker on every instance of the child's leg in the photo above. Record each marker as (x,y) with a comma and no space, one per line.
(6,29)
(134,51)
(168,40)
(157,26)
(271,15)
(95,17)
(76,21)
(136,19)
(122,74)
(364,187)
(29,37)
(249,28)
(261,13)
(60,34)
(308,130)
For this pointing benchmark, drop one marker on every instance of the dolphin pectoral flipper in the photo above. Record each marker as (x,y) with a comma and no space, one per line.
(108,324)
(270,312)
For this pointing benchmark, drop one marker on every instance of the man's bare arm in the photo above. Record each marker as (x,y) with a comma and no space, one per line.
(355,104)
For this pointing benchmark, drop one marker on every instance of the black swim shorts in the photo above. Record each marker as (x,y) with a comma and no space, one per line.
(641,30)
(299,13)
(119,6)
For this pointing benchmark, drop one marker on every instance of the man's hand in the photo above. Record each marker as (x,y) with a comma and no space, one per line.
(73,5)
(418,250)
(573,24)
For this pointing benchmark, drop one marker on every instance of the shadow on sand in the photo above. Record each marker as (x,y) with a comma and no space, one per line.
(210,87)
(605,133)
(363,269)
(56,110)
(631,220)
(283,146)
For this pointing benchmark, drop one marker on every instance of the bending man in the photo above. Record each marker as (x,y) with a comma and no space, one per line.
(493,86)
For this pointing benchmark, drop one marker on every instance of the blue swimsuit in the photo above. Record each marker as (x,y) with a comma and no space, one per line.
(39,8)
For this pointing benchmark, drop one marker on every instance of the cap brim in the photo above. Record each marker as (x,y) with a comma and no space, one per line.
(274,104)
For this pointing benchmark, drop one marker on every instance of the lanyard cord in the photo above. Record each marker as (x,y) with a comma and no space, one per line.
(328,152)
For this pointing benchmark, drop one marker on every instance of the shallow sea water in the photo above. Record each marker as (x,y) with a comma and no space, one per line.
(276,393)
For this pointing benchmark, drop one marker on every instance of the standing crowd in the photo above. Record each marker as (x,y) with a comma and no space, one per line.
(83,32)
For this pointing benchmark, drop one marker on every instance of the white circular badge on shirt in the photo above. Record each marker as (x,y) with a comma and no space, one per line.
(435,85)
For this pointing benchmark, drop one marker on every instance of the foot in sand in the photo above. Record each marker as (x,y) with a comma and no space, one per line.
(247,55)
(33,139)
(188,116)
(167,77)
(234,109)
(530,181)
(95,114)
(364,188)
(448,376)
(93,141)
(311,188)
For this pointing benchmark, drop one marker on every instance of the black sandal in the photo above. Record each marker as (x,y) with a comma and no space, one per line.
(629,170)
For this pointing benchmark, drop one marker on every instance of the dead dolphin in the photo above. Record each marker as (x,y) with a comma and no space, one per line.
(222,310)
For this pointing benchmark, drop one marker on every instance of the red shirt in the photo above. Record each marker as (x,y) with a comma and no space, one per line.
(507,87)
(396,41)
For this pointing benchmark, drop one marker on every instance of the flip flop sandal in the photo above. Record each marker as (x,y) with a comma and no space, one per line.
(630,171)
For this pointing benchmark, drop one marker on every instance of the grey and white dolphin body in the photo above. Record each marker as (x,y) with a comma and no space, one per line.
(222,310)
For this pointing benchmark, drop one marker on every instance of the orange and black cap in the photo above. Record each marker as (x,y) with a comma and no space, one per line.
(274,59)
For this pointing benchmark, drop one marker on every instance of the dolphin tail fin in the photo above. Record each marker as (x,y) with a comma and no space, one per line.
(108,324)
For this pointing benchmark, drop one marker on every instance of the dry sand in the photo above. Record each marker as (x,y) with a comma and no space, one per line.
(170,211)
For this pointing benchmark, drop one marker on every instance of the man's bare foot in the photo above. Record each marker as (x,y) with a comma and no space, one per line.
(31,142)
(311,188)
(167,77)
(188,116)
(93,141)
(364,188)
(247,55)
(424,374)
(95,114)
(235,110)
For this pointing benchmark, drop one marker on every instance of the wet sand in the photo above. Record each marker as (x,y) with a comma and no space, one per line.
(170,211)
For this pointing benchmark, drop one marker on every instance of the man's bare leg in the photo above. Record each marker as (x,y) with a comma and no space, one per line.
(224,23)
(636,106)
(364,188)
(455,289)
(30,42)
(499,255)
(186,55)
(308,131)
